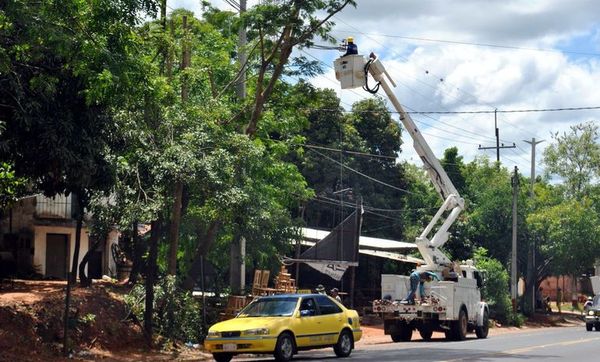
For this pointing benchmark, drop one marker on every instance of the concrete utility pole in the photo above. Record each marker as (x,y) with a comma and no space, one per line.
(497,147)
(513,267)
(533,275)
(237,264)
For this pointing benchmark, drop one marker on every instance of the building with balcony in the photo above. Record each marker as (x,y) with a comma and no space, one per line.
(38,236)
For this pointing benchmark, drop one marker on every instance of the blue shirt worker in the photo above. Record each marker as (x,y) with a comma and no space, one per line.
(418,278)
(351,48)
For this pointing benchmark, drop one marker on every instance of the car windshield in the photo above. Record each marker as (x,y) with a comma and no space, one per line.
(596,302)
(270,307)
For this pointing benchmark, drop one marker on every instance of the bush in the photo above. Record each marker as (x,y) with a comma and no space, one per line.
(177,315)
(495,290)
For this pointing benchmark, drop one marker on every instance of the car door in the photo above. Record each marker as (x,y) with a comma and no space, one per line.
(331,320)
(307,326)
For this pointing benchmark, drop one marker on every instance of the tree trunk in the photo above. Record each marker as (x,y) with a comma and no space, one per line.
(174,229)
(151,280)
(204,243)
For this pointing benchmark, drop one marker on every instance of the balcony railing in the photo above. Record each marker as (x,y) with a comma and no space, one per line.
(58,207)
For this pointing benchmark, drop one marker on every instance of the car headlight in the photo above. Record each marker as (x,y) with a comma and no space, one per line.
(213,334)
(257,332)
(591,312)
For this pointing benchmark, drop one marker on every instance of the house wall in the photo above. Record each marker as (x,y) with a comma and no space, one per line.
(40,232)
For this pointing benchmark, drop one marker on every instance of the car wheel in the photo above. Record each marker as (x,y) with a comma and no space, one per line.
(222,357)
(343,347)
(426,331)
(482,331)
(284,349)
(589,327)
(458,329)
(597,326)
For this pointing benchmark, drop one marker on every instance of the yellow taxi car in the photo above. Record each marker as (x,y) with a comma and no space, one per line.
(283,325)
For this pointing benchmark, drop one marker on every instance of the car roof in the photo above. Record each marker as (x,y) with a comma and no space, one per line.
(293,295)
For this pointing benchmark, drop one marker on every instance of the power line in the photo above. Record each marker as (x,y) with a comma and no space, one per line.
(487,45)
(362,174)
(350,152)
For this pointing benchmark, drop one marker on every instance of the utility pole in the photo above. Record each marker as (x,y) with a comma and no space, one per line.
(513,267)
(237,263)
(497,147)
(533,247)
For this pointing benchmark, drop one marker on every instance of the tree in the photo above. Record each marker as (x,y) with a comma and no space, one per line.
(275,28)
(575,157)
(63,65)
(570,235)
(495,289)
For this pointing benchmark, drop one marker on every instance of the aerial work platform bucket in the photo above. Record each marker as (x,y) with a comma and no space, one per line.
(350,71)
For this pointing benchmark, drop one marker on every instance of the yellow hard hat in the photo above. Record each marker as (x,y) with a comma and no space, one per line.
(350,39)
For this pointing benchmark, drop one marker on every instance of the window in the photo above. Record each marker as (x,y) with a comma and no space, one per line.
(327,306)
(308,307)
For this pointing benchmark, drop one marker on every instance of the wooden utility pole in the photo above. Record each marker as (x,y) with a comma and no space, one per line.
(356,252)
(497,147)
(513,266)
(532,271)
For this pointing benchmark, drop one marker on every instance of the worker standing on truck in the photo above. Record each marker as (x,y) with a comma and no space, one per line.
(418,278)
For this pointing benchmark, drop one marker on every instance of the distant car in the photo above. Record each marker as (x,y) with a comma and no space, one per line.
(592,314)
(283,325)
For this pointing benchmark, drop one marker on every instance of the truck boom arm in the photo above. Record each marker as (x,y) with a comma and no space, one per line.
(453,203)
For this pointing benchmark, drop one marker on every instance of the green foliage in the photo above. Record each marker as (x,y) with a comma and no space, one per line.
(570,235)
(575,157)
(11,186)
(495,290)
(88,318)
(177,315)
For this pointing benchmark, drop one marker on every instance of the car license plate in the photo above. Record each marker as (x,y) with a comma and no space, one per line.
(229,347)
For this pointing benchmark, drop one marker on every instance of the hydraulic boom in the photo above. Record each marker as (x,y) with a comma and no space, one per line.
(351,71)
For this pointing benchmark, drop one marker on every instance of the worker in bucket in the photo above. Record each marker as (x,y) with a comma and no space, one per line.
(418,278)
(351,48)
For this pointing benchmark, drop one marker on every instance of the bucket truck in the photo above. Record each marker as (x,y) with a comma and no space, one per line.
(453,303)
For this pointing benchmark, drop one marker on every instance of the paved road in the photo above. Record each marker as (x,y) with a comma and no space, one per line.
(550,344)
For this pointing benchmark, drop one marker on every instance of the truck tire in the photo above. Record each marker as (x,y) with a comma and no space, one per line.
(458,328)
(426,331)
(589,327)
(404,333)
(482,331)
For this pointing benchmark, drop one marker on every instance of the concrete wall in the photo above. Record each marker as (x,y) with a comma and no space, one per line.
(39,255)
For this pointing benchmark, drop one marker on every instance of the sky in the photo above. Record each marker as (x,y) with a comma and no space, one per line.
(474,55)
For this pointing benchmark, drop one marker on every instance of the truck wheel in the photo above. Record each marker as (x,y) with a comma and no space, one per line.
(426,331)
(598,327)
(284,349)
(458,328)
(222,357)
(396,337)
(589,327)
(482,331)
(406,333)
(343,347)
